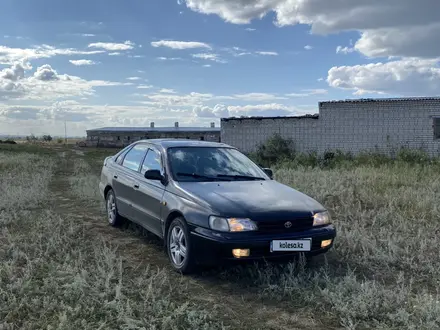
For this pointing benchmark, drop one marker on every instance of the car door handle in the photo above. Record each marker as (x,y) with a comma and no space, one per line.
(136,186)
(115,176)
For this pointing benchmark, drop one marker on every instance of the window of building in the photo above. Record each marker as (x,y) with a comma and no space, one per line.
(202,138)
(134,157)
(151,162)
(128,138)
(119,138)
(437,128)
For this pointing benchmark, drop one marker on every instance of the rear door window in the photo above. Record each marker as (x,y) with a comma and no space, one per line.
(133,158)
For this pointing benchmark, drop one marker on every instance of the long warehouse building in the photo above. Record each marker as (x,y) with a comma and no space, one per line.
(123,136)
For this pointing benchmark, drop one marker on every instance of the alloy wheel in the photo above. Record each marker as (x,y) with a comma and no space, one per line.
(178,248)
(111,208)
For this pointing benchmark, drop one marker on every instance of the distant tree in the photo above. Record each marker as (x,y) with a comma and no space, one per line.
(47,138)
(60,140)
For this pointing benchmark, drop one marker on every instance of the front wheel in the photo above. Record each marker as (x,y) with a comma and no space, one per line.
(179,247)
(113,217)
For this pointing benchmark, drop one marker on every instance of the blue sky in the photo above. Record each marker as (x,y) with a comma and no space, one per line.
(126,63)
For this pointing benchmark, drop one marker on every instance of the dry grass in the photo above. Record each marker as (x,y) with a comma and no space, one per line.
(55,275)
(382,274)
(84,182)
(24,179)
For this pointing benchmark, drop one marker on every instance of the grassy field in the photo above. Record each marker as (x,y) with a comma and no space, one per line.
(62,267)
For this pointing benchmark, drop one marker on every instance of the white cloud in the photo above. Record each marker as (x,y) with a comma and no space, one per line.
(45,84)
(9,55)
(167,91)
(242,54)
(134,78)
(114,54)
(82,62)
(16,71)
(233,11)
(46,119)
(219,110)
(308,92)
(222,111)
(111,46)
(344,50)
(250,29)
(320,79)
(267,53)
(209,57)
(46,73)
(308,47)
(88,35)
(261,109)
(144,86)
(207,65)
(169,58)
(412,41)
(180,44)
(389,28)
(188,100)
(258,97)
(404,77)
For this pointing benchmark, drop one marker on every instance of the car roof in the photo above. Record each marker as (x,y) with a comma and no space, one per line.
(170,143)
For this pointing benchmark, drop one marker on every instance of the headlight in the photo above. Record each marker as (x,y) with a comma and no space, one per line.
(232,224)
(321,218)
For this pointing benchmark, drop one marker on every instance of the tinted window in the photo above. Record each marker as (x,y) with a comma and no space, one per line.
(212,162)
(134,157)
(151,162)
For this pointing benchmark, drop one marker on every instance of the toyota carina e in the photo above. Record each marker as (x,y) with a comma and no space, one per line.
(208,201)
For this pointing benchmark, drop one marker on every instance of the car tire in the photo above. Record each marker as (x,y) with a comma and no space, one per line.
(179,248)
(113,217)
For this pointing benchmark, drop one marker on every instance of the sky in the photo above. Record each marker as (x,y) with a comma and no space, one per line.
(104,63)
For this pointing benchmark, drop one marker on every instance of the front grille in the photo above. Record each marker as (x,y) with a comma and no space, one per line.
(277,226)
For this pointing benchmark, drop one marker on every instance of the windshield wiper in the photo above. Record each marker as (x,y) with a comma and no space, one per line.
(201,176)
(240,177)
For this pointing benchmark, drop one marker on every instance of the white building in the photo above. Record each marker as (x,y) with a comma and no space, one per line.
(351,126)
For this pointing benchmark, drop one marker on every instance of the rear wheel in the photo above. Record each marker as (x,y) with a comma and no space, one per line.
(179,247)
(113,217)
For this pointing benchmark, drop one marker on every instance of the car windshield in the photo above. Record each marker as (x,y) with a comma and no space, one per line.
(212,164)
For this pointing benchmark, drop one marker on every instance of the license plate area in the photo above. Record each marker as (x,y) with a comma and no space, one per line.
(297,245)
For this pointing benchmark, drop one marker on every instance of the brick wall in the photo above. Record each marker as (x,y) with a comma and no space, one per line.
(353,126)
(247,134)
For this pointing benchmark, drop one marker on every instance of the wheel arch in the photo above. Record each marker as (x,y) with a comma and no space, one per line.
(106,190)
(173,215)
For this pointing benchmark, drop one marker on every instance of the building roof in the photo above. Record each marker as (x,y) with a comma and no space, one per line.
(315,116)
(155,129)
(397,99)
(169,143)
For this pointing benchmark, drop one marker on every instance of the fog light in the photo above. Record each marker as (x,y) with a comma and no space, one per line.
(238,253)
(326,243)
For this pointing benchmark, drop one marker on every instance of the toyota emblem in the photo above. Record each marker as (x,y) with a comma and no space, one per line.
(288,224)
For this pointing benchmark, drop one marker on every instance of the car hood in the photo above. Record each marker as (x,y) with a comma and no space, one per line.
(254,199)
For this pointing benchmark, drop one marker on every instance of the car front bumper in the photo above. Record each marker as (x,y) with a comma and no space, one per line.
(212,247)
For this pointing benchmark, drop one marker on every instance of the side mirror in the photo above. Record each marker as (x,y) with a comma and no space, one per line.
(153,175)
(268,172)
